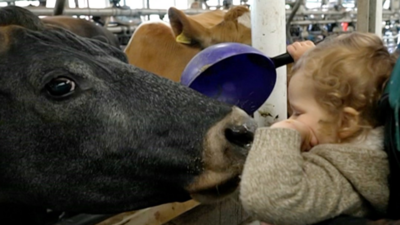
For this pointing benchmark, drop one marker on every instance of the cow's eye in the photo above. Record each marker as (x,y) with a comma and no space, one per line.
(60,87)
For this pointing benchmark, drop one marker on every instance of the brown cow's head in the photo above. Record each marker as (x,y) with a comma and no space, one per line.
(213,27)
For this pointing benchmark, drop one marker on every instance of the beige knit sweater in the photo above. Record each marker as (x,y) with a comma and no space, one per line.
(284,186)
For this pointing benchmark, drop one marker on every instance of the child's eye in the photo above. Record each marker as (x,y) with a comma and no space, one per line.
(296,114)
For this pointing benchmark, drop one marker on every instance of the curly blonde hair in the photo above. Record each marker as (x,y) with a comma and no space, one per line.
(349,71)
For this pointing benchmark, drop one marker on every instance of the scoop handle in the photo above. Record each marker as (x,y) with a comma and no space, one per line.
(282,59)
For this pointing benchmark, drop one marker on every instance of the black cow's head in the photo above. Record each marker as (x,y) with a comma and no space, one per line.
(82,130)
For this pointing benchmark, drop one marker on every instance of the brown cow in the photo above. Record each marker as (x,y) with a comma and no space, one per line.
(166,50)
(81,27)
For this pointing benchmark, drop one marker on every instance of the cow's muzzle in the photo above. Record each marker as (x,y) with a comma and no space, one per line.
(226,146)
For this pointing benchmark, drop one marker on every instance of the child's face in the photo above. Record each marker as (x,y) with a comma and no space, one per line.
(307,110)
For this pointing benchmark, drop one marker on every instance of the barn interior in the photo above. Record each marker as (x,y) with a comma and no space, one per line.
(298,20)
(309,20)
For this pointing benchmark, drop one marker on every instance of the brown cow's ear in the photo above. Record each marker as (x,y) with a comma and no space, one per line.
(235,13)
(186,30)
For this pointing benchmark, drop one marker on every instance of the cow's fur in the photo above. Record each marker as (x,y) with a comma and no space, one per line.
(118,139)
(83,28)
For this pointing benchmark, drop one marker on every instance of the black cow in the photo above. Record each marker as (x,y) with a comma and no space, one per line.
(81,130)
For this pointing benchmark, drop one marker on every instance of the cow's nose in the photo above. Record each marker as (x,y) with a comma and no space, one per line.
(241,135)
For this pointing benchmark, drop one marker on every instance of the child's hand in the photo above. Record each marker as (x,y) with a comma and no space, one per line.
(308,137)
(297,49)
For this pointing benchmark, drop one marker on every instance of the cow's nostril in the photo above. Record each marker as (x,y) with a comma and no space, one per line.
(240,135)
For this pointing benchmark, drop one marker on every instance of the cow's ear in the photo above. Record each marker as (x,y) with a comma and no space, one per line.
(240,14)
(14,15)
(186,30)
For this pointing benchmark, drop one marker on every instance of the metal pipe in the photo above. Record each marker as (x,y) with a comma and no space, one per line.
(109,11)
(142,12)
(336,13)
(148,7)
(320,12)
(306,22)
(290,19)
(59,7)
(120,29)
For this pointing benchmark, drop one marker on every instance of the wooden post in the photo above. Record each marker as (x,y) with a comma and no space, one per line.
(369,16)
(268,32)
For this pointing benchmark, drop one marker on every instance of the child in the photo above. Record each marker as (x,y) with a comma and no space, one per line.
(327,159)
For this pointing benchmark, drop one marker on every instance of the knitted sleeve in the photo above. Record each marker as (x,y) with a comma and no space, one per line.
(280,185)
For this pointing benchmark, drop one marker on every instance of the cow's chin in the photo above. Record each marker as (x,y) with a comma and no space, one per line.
(217,193)
(214,187)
